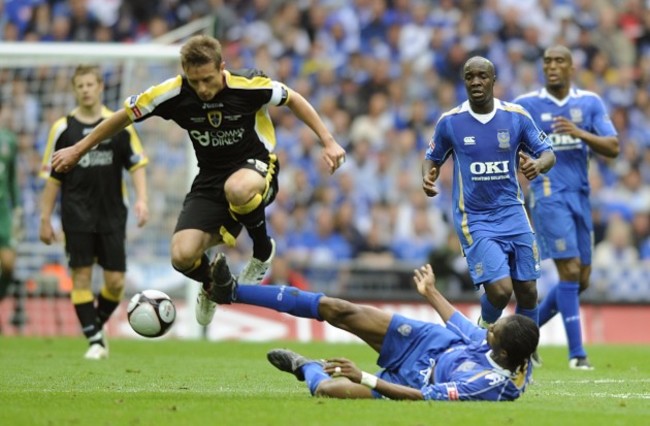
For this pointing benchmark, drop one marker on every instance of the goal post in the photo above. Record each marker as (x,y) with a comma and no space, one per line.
(35,90)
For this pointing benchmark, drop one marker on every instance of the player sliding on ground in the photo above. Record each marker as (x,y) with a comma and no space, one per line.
(419,360)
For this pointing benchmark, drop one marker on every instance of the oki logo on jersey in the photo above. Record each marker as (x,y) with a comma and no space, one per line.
(489,167)
(214,117)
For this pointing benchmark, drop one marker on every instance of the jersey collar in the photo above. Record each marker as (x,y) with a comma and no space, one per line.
(483,118)
(559,102)
(496,366)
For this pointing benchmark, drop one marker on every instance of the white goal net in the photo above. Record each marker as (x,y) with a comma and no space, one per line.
(35,90)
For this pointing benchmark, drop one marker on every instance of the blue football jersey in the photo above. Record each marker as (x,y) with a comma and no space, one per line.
(467,372)
(487,197)
(587,111)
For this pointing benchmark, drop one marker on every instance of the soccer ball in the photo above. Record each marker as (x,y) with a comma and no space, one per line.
(151,313)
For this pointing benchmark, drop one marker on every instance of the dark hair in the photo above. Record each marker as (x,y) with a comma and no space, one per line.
(200,50)
(519,338)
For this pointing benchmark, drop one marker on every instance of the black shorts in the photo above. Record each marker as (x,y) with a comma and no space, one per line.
(206,207)
(107,249)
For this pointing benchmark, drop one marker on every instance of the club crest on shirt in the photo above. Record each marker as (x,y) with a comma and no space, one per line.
(576,115)
(503,136)
(214,117)
(404,329)
(478,269)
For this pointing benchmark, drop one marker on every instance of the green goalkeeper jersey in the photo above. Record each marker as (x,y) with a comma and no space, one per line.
(8,180)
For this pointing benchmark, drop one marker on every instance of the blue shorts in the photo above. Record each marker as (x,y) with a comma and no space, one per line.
(569,231)
(491,258)
(410,349)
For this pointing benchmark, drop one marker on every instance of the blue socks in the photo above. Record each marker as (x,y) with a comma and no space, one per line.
(280,298)
(568,304)
(548,306)
(530,313)
(489,313)
(314,375)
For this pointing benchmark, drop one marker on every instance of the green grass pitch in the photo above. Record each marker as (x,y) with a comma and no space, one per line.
(173,382)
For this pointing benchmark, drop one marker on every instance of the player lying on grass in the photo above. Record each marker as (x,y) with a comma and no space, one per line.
(419,360)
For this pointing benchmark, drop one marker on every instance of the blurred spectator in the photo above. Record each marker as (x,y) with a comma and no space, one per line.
(617,250)
(380,72)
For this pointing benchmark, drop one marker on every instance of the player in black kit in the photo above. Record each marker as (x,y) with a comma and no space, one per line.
(225,113)
(93,212)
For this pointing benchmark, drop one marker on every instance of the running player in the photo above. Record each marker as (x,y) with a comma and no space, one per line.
(226,116)
(577,124)
(93,211)
(489,140)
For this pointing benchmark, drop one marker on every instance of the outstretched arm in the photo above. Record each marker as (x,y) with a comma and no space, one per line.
(425,280)
(64,159)
(333,153)
(360,383)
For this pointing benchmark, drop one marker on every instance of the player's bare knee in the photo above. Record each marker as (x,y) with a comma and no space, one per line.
(325,389)
(334,310)
(182,259)
(499,296)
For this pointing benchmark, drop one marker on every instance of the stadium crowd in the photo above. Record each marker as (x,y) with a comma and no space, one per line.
(380,73)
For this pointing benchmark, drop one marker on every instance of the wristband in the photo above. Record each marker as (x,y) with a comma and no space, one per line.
(368,380)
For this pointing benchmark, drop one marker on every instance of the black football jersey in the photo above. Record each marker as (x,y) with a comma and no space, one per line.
(225,131)
(93,194)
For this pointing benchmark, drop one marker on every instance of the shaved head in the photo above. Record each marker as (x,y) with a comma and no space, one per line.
(559,50)
(481,62)
(479,76)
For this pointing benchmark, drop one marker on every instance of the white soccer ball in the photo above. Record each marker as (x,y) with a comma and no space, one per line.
(151,313)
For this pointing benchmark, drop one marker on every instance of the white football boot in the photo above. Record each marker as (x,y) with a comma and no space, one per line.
(255,269)
(96,352)
(205,308)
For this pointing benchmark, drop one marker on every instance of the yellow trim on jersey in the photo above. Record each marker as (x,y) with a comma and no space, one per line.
(515,108)
(461,205)
(264,129)
(227,237)
(546,185)
(452,111)
(57,128)
(153,96)
(478,375)
(519,379)
(241,82)
(273,159)
(136,147)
